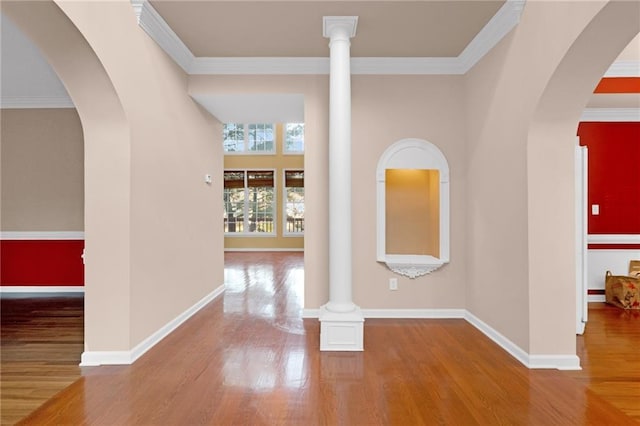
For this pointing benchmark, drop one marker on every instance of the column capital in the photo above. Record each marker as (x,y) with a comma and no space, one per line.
(339,25)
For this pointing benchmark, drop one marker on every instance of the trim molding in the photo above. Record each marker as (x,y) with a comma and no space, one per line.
(498,26)
(41,289)
(262,249)
(42,235)
(610,114)
(613,239)
(311,313)
(96,358)
(414,313)
(507,17)
(400,313)
(23,102)
(592,298)
(624,69)
(158,29)
(250,66)
(557,361)
(506,344)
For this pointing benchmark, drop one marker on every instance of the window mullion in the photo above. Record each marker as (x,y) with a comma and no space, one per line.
(245,227)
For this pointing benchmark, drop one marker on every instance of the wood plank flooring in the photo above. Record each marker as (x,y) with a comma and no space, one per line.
(42,339)
(248,358)
(609,354)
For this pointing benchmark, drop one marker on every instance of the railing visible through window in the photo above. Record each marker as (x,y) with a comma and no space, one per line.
(249,201)
(294,201)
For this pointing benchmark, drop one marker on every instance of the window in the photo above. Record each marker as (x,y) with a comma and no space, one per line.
(248,139)
(248,201)
(294,202)
(294,138)
(233,137)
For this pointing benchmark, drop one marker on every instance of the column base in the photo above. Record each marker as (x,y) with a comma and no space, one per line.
(341,331)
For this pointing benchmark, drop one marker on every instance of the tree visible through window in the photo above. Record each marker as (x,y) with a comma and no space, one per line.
(233,137)
(248,201)
(294,203)
(294,137)
(249,138)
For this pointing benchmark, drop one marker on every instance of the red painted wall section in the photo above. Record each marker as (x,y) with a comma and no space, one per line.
(614,175)
(618,85)
(41,263)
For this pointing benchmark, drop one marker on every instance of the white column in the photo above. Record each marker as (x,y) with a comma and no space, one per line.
(341,320)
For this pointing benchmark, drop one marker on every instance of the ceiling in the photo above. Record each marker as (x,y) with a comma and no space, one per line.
(245,30)
(293,29)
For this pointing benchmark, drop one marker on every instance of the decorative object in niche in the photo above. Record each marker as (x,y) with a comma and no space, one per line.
(412,208)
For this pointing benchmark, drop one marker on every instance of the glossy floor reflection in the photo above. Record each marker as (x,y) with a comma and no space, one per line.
(248,358)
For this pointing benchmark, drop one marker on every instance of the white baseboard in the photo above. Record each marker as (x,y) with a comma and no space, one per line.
(35,289)
(262,249)
(95,358)
(414,313)
(560,362)
(398,313)
(596,298)
(506,344)
(311,313)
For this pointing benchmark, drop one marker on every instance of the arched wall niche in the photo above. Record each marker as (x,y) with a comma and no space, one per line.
(412,187)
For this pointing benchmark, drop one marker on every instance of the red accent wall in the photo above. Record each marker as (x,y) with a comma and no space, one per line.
(614,175)
(618,85)
(41,263)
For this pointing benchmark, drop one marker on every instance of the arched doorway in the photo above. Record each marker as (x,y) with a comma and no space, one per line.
(107,166)
(550,162)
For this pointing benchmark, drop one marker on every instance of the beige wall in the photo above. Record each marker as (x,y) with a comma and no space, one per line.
(386,109)
(279,162)
(42,170)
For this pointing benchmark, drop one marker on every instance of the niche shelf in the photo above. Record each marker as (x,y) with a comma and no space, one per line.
(412,208)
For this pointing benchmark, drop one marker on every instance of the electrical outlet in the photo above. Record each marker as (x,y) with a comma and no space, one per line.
(393,283)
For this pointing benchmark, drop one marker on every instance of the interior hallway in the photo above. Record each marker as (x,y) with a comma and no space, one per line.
(249,358)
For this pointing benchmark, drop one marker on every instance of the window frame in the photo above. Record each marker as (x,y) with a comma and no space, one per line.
(246,204)
(245,147)
(285,201)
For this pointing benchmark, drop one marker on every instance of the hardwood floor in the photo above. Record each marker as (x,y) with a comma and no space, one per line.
(248,358)
(609,354)
(42,339)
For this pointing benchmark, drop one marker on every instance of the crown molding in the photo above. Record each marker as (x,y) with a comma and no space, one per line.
(296,66)
(498,26)
(158,29)
(611,114)
(23,102)
(406,66)
(507,17)
(624,69)
(246,66)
